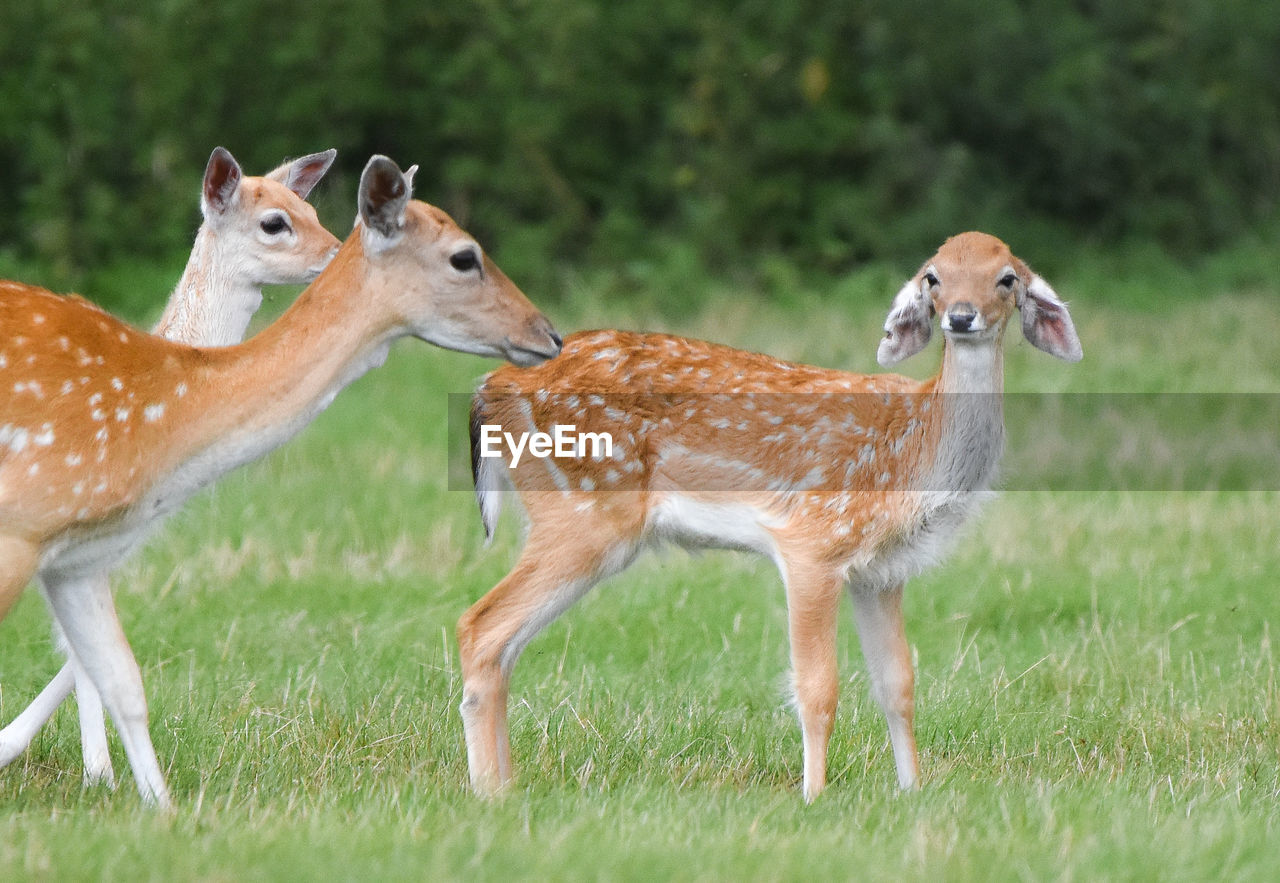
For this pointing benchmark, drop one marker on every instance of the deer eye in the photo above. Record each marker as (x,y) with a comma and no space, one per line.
(1008,280)
(273,224)
(930,280)
(464,261)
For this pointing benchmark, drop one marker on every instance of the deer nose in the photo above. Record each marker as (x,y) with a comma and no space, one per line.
(542,326)
(961,317)
(549,331)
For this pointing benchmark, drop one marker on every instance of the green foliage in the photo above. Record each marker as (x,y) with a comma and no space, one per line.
(604,135)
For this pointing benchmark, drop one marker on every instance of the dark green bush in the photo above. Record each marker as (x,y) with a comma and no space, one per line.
(606,133)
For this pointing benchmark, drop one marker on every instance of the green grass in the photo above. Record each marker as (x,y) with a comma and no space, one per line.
(1097,688)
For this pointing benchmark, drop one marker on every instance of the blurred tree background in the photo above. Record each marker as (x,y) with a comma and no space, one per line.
(709,137)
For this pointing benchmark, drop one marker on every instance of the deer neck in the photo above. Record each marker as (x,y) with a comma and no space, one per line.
(213,302)
(967,399)
(255,396)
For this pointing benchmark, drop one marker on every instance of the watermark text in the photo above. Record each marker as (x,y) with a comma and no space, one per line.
(563,440)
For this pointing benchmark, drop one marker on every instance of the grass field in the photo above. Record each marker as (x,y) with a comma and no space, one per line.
(1097,688)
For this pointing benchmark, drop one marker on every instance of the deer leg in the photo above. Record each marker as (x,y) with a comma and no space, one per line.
(549,577)
(884,645)
(813,604)
(18,560)
(17,736)
(85,611)
(93,727)
(93,732)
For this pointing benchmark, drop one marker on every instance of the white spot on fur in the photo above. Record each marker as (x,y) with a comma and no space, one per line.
(15,436)
(73,459)
(152,413)
(180,390)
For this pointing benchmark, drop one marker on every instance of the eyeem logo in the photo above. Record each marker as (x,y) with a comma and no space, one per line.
(563,440)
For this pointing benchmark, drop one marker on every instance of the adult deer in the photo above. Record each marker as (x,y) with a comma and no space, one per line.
(842,479)
(108,429)
(255,232)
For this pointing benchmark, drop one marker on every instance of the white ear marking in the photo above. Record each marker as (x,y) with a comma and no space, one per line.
(909,325)
(1046,324)
(1039,288)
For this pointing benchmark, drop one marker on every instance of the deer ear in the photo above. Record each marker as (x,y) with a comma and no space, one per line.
(384,194)
(221,182)
(909,326)
(1046,322)
(304,173)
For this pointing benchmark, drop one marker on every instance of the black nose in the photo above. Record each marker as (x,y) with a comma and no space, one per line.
(555,338)
(961,318)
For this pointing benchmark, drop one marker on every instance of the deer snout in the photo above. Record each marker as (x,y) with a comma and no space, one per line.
(961,318)
(542,342)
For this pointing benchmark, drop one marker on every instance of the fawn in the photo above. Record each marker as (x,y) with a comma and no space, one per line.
(843,480)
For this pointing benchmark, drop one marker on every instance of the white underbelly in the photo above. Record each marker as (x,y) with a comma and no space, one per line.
(698,522)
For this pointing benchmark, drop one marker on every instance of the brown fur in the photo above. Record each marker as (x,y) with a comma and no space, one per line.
(840,478)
